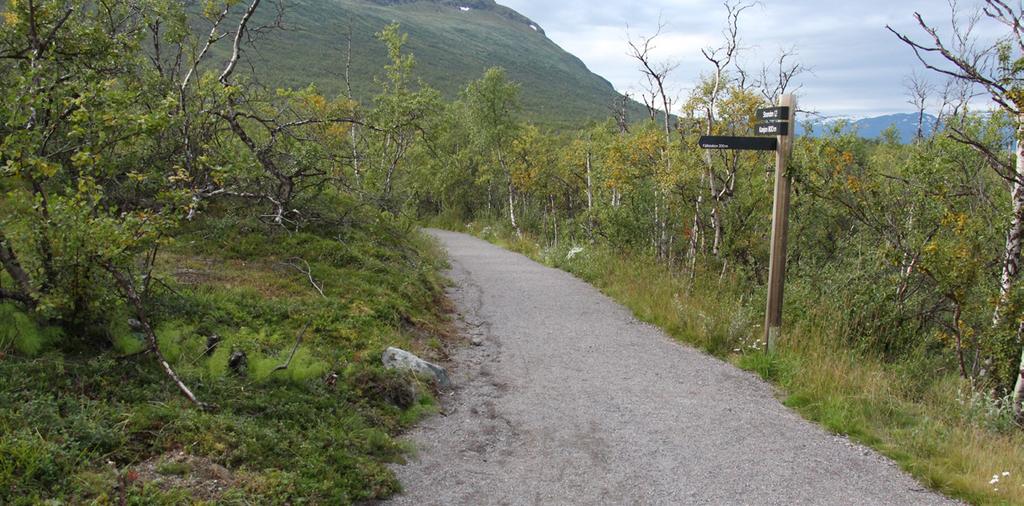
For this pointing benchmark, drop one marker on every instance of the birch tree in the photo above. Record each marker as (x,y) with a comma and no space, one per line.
(706,99)
(401,110)
(998,69)
(918,92)
(82,122)
(657,96)
(493,103)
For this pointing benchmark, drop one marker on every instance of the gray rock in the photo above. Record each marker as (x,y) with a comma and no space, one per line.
(212,341)
(477,341)
(395,358)
(238,362)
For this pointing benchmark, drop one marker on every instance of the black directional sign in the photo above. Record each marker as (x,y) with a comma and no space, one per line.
(773,113)
(778,128)
(744,143)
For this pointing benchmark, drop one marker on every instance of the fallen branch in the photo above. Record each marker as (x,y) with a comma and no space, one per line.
(169,288)
(309,273)
(298,341)
(128,290)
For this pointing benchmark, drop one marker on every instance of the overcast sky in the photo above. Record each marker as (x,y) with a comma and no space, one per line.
(859,68)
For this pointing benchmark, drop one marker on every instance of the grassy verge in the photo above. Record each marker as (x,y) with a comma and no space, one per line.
(917,412)
(84,427)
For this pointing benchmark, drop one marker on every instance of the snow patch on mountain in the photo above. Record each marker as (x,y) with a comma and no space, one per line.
(871,127)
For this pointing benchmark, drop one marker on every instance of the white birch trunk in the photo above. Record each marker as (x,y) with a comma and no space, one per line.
(654,236)
(716,222)
(511,196)
(664,233)
(695,232)
(716,219)
(512,208)
(554,220)
(590,200)
(1011,261)
(590,187)
(1011,255)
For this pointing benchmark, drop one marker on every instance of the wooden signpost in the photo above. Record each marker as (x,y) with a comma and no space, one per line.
(775,121)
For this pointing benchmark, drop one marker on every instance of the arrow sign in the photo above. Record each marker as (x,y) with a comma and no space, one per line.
(779,128)
(743,143)
(773,113)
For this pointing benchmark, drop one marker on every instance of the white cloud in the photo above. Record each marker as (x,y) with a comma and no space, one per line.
(859,67)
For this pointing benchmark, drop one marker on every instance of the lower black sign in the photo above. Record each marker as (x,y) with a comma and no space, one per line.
(744,143)
(781,128)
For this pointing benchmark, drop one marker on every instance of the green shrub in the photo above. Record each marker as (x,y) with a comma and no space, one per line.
(68,413)
(179,341)
(302,368)
(20,331)
(29,464)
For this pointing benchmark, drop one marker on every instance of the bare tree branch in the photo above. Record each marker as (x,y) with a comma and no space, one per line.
(6,294)
(1003,168)
(918,92)
(17,273)
(236,46)
(298,341)
(210,41)
(308,271)
(127,288)
(655,73)
(970,65)
(774,86)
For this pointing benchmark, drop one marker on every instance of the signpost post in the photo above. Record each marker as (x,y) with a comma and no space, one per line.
(774,121)
(780,229)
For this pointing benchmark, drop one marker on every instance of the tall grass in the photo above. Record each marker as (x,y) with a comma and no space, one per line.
(916,410)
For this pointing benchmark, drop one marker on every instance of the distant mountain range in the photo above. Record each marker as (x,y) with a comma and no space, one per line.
(870,128)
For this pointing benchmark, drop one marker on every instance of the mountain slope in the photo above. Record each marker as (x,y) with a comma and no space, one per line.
(453,41)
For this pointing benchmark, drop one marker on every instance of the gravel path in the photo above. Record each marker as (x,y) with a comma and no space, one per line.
(571,400)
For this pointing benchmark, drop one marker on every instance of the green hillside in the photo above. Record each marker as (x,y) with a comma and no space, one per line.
(452,47)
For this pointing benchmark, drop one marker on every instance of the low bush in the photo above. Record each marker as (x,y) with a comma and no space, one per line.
(79,424)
